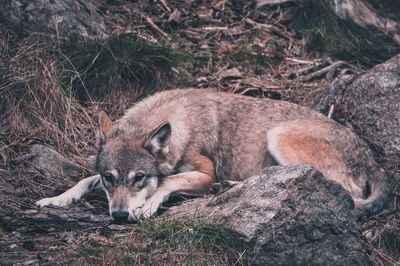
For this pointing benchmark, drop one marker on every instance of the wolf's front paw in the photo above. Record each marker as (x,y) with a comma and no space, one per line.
(151,206)
(55,201)
(137,214)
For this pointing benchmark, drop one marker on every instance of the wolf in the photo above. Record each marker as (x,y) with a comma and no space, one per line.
(183,141)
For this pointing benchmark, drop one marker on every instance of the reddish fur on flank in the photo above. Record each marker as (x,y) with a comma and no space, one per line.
(311,151)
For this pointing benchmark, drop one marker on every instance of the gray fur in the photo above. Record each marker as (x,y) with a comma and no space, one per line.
(231,131)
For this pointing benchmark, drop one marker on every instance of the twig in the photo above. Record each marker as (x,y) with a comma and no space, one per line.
(322,71)
(240,259)
(306,70)
(21,159)
(380,253)
(165,5)
(210,28)
(221,4)
(271,28)
(331,109)
(299,61)
(154,26)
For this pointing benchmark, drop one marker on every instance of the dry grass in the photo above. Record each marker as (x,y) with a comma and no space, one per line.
(35,109)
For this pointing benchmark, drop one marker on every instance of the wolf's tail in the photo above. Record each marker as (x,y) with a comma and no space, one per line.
(379,193)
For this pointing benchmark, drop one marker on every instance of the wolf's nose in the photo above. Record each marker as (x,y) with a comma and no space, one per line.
(120,216)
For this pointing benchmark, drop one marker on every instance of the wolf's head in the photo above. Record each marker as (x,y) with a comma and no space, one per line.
(129,166)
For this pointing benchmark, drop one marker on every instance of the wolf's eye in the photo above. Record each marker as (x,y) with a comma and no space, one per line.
(139,177)
(108,177)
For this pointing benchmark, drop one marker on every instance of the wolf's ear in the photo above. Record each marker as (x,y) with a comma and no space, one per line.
(159,139)
(105,126)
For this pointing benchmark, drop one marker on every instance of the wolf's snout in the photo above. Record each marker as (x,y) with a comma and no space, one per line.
(120,216)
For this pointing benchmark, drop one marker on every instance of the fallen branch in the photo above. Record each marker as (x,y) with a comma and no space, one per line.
(307,69)
(322,71)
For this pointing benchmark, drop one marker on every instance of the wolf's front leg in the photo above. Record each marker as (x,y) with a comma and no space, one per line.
(194,183)
(84,186)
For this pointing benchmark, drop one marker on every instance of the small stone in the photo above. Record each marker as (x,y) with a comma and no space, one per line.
(232,73)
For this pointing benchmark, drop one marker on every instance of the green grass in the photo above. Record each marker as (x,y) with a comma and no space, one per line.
(245,54)
(244,57)
(96,67)
(250,57)
(93,68)
(169,241)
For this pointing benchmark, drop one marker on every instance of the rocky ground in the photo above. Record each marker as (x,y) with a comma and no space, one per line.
(52,86)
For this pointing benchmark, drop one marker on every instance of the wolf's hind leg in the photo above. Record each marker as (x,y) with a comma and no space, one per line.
(76,192)
(195,182)
(318,144)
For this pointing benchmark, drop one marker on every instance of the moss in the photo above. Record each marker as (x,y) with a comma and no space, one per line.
(250,57)
(169,241)
(344,39)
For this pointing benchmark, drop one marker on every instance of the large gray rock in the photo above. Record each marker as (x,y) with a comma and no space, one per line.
(54,17)
(382,15)
(50,162)
(288,215)
(372,105)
